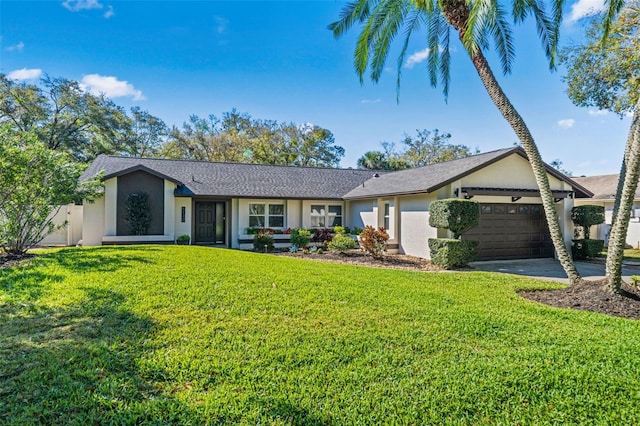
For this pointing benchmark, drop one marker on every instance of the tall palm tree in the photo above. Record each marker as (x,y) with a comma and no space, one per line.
(475,22)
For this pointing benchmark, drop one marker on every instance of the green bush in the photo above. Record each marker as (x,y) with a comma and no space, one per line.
(263,241)
(339,230)
(138,213)
(374,241)
(449,253)
(585,248)
(300,237)
(342,243)
(454,214)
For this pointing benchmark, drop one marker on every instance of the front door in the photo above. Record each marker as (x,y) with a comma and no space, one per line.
(209,224)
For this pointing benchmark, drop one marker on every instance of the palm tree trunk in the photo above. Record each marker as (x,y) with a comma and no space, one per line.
(539,171)
(624,204)
(456,13)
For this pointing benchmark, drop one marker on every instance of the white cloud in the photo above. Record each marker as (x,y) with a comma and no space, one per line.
(77,5)
(109,13)
(16,48)
(221,24)
(370,101)
(598,112)
(417,57)
(110,87)
(567,123)
(584,8)
(25,74)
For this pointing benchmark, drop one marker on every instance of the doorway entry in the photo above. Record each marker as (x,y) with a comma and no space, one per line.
(210,222)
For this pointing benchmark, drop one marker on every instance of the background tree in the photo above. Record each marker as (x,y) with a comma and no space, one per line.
(63,116)
(474,22)
(35,181)
(238,137)
(427,147)
(144,135)
(603,73)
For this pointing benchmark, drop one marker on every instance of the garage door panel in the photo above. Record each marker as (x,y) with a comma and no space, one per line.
(511,231)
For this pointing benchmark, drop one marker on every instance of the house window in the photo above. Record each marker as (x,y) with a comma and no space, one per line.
(385,218)
(276,215)
(183,214)
(335,216)
(262,215)
(256,215)
(318,214)
(326,215)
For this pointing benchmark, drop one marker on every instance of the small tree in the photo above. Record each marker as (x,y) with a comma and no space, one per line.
(138,213)
(34,183)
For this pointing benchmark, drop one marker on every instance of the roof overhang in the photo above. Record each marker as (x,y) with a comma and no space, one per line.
(141,168)
(514,193)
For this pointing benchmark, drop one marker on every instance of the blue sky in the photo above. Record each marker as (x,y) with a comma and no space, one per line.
(277,60)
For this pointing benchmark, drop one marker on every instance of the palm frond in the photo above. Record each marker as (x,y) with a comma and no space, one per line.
(445,59)
(414,19)
(352,13)
(612,12)
(388,17)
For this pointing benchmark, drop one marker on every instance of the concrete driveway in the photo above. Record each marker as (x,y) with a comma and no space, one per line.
(549,269)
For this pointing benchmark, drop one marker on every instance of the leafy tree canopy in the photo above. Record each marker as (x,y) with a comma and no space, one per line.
(606,75)
(427,147)
(238,137)
(65,117)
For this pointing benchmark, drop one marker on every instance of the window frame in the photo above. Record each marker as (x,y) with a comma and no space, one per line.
(326,216)
(266,214)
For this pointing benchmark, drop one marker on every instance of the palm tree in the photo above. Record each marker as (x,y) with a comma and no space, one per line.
(475,21)
(373,160)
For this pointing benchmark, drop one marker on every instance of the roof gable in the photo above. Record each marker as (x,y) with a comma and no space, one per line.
(432,177)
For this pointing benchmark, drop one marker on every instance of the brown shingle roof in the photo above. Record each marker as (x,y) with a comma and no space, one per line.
(602,186)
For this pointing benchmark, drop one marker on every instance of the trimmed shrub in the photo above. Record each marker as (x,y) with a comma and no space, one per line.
(342,243)
(454,214)
(584,248)
(263,241)
(138,213)
(585,217)
(449,253)
(374,241)
(183,239)
(300,237)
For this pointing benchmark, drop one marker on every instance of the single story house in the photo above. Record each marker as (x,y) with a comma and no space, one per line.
(215,203)
(604,188)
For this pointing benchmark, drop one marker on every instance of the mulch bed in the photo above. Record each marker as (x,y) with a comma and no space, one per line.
(9,260)
(593,296)
(355,257)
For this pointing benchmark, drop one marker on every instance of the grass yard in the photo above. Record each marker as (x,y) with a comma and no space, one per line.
(192,335)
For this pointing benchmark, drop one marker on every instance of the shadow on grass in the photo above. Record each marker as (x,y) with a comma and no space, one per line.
(97,259)
(81,365)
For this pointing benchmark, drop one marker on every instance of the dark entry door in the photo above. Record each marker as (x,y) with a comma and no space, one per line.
(210,227)
(511,231)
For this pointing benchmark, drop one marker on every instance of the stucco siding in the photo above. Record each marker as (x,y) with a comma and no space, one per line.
(363,213)
(93,222)
(510,172)
(180,227)
(414,225)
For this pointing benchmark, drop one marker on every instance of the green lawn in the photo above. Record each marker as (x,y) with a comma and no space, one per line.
(191,335)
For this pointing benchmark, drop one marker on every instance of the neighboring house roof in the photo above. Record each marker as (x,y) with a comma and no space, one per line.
(432,177)
(238,179)
(603,186)
(201,178)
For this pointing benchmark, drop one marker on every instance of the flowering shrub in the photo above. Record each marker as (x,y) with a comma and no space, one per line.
(263,240)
